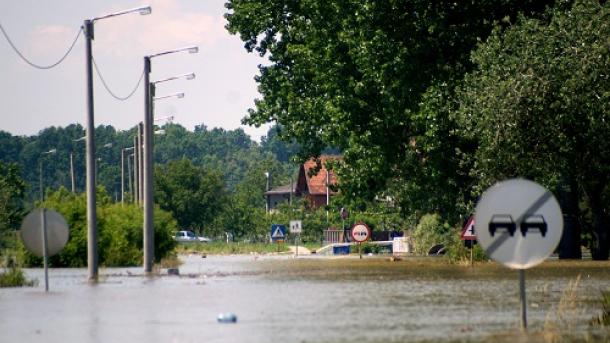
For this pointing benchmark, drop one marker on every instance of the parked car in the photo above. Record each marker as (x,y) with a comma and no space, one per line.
(186,236)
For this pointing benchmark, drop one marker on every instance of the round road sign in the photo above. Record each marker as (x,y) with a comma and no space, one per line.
(519,223)
(57,232)
(361,232)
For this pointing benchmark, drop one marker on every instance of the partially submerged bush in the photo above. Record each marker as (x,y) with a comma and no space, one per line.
(14,277)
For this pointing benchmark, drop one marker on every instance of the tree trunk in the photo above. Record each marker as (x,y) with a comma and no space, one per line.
(601,244)
(569,246)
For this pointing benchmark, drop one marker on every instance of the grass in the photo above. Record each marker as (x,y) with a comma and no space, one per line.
(604,318)
(221,248)
(14,277)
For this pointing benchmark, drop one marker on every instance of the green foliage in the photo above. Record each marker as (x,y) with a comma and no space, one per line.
(14,277)
(119,232)
(354,74)
(430,231)
(538,106)
(12,192)
(194,195)
(457,252)
(221,248)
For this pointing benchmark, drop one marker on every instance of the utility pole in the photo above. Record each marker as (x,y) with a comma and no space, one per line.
(148,172)
(72,173)
(92,257)
(136,169)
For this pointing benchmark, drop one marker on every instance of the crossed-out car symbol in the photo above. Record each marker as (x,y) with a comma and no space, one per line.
(506,222)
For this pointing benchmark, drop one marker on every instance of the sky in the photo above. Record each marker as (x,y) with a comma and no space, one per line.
(32,99)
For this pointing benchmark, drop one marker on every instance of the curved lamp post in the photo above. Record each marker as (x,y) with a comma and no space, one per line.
(148,156)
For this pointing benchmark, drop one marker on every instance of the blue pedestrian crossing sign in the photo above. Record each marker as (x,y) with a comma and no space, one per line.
(278,232)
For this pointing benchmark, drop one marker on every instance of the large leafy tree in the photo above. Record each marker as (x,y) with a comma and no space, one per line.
(194,195)
(538,106)
(12,193)
(353,75)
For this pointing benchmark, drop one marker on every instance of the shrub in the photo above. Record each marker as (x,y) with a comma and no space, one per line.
(119,232)
(14,277)
(429,232)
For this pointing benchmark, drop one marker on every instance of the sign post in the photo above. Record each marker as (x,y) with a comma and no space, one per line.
(295,229)
(519,225)
(468,235)
(44,233)
(360,233)
(278,234)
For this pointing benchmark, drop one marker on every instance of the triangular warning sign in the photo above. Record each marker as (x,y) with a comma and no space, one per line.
(278,233)
(468,233)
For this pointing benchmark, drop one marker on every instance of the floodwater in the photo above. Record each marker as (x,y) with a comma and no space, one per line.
(313,299)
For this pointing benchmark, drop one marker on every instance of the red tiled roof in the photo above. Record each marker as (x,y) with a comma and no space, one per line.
(316,183)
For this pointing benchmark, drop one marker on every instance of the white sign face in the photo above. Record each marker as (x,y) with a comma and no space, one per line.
(57,232)
(361,232)
(519,223)
(295,226)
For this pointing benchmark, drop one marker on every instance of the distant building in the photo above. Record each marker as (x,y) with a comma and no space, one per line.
(314,183)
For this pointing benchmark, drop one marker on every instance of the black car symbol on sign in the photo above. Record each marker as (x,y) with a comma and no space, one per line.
(534,222)
(502,222)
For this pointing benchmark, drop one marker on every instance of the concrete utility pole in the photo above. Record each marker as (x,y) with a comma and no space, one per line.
(90,158)
(148,172)
(147,165)
(92,256)
(136,169)
(72,173)
(140,163)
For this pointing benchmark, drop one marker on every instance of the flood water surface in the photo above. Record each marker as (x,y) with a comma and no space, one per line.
(281,299)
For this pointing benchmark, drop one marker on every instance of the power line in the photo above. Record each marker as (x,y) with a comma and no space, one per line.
(37,66)
(97,71)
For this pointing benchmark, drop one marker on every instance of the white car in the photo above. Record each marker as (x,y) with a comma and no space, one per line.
(189,236)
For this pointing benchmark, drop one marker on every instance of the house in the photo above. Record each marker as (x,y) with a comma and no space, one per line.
(314,183)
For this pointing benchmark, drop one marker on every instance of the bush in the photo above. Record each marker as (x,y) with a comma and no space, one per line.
(119,232)
(14,277)
(429,232)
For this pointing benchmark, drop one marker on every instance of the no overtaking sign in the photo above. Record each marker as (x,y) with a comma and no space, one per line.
(519,223)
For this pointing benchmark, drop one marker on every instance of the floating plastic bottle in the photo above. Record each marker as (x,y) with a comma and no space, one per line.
(227,318)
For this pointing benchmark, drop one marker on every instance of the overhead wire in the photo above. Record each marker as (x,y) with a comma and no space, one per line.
(120,98)
(38,66)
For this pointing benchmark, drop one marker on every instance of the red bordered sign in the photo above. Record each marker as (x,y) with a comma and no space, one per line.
(468,233)
(361,232)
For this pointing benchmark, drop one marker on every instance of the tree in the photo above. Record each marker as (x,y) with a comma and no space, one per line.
(538,105)
(194,195)
(354,74)
(12,193)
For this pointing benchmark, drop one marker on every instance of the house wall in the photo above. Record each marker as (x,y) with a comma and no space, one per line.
(277,199)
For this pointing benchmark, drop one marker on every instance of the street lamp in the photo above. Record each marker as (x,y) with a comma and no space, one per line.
(43,221)
(148,156)
(92,256)
(123,172)
(178,95)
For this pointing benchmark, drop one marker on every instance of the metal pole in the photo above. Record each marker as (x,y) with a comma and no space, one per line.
(130,185)
(140,163)
(43,230)
(45,255)
(136,168)
(72,173)
(327,197)
(148,172)
(522,298)
(91,210)
(122,176)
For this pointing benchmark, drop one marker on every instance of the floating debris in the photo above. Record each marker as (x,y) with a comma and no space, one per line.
(227,318)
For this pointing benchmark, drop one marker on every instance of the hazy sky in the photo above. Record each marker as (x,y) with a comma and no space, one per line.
(32,99)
